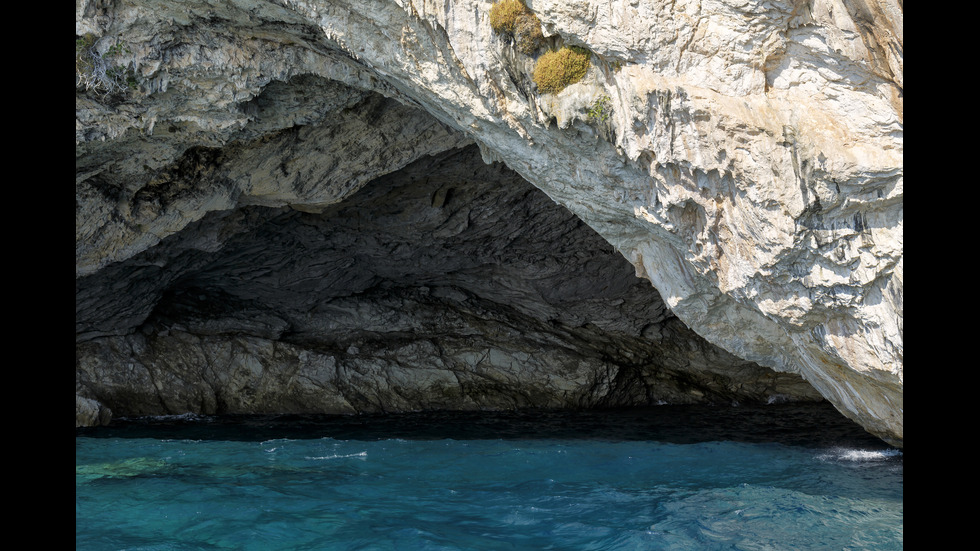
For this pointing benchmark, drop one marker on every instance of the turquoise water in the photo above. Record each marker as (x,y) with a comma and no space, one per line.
(775,477)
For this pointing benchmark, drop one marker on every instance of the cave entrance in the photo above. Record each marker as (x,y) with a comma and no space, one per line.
(449,284)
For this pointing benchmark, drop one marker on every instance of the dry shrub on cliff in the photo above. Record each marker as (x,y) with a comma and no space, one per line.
(527,34)
(99,72)
(513,18)
(503,15)
(557,69)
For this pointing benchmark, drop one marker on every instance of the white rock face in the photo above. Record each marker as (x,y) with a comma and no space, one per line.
(751,168)
(90,412)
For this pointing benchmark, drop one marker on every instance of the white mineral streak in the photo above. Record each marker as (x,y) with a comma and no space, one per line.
(752,169)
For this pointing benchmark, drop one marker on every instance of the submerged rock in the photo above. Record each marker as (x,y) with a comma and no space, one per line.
(90,412)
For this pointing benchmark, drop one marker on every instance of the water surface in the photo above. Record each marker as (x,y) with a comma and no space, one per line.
(763,477)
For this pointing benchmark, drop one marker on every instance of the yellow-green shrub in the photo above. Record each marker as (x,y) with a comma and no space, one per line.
(557,69)
(527,33)
(513,18)
(503,15)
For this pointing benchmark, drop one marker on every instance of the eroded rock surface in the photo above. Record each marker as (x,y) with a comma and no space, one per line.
(750,165)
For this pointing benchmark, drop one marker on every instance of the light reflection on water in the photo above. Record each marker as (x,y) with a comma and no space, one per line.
(664,478)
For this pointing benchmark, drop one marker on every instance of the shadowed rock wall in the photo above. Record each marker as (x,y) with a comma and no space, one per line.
(450,284)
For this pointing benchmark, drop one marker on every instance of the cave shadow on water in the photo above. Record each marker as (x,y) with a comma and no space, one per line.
(816,425)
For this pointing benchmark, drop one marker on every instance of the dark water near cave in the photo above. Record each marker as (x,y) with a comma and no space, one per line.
(762,477)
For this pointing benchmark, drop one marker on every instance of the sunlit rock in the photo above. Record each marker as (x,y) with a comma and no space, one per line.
(747,159)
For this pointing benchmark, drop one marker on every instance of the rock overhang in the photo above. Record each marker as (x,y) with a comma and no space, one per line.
(749,186)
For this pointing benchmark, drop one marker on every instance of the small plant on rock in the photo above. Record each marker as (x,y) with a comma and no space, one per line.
(601,109)
(514,19)
(557,69)
(99,72)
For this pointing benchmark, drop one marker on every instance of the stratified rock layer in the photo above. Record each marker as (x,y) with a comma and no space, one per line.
(748,159)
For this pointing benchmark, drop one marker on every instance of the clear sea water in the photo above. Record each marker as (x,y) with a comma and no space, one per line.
(686,478)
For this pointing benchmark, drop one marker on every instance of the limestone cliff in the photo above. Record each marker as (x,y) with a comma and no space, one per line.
(744,157)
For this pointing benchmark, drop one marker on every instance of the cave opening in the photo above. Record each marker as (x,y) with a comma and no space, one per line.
(450,284)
